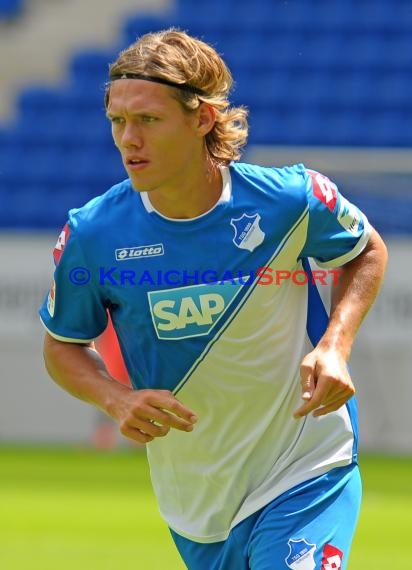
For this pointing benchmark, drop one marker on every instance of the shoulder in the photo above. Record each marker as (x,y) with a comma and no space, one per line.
(102,210)
(284,178)
(288,184)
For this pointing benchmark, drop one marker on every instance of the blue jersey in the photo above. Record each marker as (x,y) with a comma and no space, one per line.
(220,309)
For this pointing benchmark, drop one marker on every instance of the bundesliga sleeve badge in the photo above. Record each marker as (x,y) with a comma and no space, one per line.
(51,298)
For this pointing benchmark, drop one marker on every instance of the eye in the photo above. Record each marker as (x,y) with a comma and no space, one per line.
(148,119)
(116,120)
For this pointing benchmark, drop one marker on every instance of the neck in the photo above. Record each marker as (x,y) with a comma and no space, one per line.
(192,199)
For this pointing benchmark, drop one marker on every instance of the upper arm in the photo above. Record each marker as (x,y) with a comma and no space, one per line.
(337,230)
(375,252)
(73,311)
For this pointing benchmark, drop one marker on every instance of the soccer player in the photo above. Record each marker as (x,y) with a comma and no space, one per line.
(240,386)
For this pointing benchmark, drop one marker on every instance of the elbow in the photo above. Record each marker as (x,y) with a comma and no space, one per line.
(49,349)
(377,248)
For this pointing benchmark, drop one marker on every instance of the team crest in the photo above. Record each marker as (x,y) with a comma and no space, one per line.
(300,555)
(248,234)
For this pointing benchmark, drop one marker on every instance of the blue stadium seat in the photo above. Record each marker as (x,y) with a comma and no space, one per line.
(390,128)
(396,51)
(140,24)
(312,73)
(10,9)
(91,67)
(36,100)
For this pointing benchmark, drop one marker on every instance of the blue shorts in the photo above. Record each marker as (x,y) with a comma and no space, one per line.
(309,527)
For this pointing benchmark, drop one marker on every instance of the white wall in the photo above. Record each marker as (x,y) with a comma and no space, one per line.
(32,407)
(381,361)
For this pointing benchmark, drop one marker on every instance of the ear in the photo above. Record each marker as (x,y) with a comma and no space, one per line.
(206,119)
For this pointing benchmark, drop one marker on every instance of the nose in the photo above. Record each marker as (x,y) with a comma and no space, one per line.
(131,136)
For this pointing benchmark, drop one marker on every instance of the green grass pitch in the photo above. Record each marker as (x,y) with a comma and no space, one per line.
(94,510)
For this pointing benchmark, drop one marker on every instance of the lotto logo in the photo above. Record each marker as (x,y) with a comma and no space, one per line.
(139,252)
(332,558)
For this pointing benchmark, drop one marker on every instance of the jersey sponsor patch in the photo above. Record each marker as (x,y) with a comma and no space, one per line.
(331,558)
(60,244)
(301,555)
(324,189)
(349,216)
(248,233)
(51,298)
(187,312)
(139,252)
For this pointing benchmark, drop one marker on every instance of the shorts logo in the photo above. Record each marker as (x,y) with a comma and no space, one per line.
(139,251)
(349,216)
(331,558)
(187,312)
(300,555)
(248,234)
(323,189)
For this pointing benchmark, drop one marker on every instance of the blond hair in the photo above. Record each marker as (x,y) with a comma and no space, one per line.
(176,57)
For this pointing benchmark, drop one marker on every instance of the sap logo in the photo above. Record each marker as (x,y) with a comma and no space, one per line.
(192,311)
(139,251)
(200,312)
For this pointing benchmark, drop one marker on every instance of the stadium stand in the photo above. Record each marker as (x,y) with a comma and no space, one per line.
(312,72)
(10,9)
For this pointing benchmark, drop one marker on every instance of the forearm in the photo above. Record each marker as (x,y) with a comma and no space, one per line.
(79,370)
(354,294)
(142,414)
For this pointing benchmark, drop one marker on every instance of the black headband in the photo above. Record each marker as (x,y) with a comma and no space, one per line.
(182,86)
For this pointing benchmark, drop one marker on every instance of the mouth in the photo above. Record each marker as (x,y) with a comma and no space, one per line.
(136,163)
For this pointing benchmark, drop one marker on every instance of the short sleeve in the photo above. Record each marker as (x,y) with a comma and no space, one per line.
(338,231)
(73,310)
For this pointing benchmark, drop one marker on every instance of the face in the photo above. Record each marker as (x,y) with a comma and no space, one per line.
(161,145)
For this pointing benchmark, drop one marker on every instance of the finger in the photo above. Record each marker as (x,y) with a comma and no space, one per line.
(304,410)
(152,428)
(307,374)
(143,425)
(169,419)
(323,410)
(318,397)
(172,405)
(136,434)
(321,404)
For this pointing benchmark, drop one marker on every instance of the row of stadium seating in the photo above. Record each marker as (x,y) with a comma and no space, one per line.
(301,15)
(10,8)
(324,81)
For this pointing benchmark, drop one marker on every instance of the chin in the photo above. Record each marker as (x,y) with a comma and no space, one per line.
(139,186)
